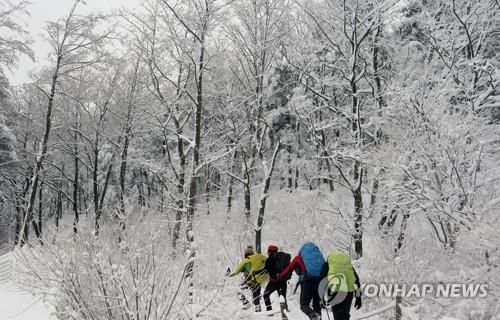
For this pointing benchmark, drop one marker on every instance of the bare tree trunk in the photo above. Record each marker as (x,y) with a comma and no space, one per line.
(402,233)
(217,185)
(59,207)
(19,222)
(263,199)
(358,169)
(208,182)
(247,196)
(127,130)
(99,196)
(297,174)
(40,208)
(290,169)
(42,153)
(123,175)
(374,190)
(247,200)
(358,217)
(376,72)
(193,184)
(95,185)
(181,181)
(140,189)
(230,183)
(330,176)
(76,186)
(378,93)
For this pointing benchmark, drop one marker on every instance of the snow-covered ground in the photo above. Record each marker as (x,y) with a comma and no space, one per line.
(17,303)
(215,295)
(295,313)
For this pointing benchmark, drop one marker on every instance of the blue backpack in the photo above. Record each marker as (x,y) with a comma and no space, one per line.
(313,259)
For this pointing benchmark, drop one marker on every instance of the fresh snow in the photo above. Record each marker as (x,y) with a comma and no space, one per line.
(296,314)
(16,303)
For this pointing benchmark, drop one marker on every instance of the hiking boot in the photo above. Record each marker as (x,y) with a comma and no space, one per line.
(315,316)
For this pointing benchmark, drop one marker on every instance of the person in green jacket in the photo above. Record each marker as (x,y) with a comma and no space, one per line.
(254,274)
(342,285)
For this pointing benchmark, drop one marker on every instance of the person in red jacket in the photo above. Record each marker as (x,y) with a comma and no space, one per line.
(308,288)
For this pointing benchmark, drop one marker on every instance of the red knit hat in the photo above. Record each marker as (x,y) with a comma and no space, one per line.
(272,248)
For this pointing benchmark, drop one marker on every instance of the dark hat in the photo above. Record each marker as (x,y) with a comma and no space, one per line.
(272,248)
(249,251)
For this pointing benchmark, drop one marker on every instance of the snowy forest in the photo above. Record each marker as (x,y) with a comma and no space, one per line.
(155,143)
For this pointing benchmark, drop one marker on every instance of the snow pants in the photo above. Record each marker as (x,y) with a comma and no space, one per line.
(255,289)
(309,293)
(342,310)
(272,286)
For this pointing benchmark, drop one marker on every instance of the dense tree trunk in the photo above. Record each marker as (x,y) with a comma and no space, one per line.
(357,167)
(358,215)
(100,196)
(208,177)
(123,176)
(402,233)
(126,136)
(59,207)
(42,153)
(40,208)
(374,191)
(95,184)
(290,169)
(195,169)
(230,182)
(263,198)
(76,184)
(247,201)
(181,181)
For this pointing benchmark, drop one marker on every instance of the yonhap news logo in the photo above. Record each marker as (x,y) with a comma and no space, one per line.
(334,290)
(420,290)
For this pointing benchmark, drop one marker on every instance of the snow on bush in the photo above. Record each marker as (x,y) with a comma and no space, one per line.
(88,277)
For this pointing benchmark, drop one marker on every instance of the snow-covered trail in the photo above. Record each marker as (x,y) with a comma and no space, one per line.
(16,303)
(296,314)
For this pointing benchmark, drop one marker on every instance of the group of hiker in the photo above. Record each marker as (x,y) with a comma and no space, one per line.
(331,283)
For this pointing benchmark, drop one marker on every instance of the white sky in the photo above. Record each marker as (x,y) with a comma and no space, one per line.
(49,10)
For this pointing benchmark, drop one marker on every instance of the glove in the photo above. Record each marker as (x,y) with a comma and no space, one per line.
(323,303)
(357,304)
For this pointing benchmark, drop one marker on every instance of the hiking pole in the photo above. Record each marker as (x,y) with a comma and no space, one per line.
(296,287)
(326,309)
(327,313)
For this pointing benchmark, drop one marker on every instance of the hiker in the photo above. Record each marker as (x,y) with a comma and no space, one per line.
(308,264)
(253,269)
(343,284)
(276,262)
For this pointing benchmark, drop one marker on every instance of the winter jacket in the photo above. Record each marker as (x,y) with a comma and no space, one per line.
(297,264)
(273,263)
(245,266)
(251,275)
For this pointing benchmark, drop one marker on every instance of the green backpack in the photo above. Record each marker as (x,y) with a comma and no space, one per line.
(340,272)
(258,271)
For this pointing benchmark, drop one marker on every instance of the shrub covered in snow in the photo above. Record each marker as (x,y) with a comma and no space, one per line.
(88,277)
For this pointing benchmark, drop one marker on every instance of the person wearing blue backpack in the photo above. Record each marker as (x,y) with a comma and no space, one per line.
(308,264)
